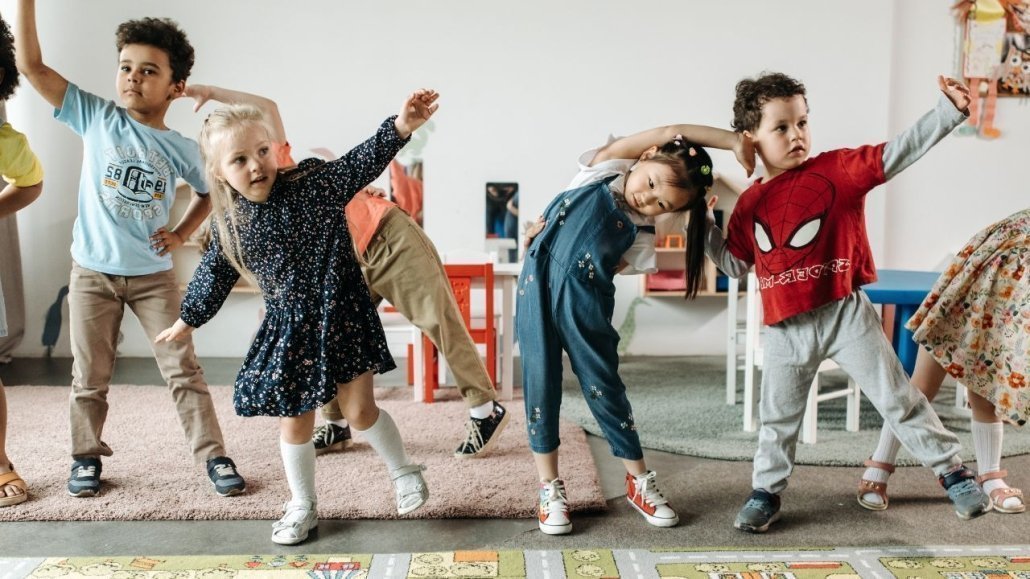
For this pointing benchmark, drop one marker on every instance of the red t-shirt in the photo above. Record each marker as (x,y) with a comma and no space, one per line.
(805,231)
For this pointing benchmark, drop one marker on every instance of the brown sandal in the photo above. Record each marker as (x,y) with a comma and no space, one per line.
(12,479)
(879,489)
(998,496)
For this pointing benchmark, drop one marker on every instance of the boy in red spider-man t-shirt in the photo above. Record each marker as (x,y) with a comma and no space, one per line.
(803,228)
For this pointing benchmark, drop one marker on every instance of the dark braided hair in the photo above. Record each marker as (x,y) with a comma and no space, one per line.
(162,33)
(692,167)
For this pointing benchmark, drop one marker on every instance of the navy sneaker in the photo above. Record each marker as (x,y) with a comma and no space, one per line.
(482,433)
(85,478)
(761,510)
(969,499)
(222,472)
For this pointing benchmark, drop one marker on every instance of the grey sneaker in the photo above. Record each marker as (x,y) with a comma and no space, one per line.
(761,510)
(223,474)
(330,437)
(85,478)
(969,499)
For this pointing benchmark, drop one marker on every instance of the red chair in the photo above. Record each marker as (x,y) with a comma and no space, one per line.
(462,278)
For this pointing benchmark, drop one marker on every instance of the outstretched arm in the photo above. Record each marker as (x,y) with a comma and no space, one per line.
(633,146)
(201,93)
(29,57)
(951,110)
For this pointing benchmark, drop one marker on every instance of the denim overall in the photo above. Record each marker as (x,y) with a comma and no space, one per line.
(565,302)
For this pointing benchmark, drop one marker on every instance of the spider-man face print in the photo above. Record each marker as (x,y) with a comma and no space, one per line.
(790,218)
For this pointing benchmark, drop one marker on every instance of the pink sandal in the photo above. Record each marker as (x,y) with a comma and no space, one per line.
(998,496)
(879,489)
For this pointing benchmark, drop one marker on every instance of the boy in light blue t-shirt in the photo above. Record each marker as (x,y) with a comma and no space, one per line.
(121,245)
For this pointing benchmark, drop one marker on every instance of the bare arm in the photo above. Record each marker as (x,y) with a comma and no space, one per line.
(29,58)
(14,198)
(202,93)
(633,146)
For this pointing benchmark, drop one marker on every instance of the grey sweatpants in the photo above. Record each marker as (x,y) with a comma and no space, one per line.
(848,332)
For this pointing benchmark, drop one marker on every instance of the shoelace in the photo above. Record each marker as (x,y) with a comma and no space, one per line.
(648,488)
(474,437)
(555,498)
(86,471)
(963,488)
(322,436)
(757,504)
(225,470)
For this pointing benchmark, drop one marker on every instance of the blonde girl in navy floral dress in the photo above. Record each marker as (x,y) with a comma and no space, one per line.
(321,337)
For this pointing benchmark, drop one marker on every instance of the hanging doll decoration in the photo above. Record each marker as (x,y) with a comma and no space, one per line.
(990,27)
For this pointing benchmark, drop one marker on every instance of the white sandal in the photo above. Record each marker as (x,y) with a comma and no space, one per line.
(300,518)
(412,491)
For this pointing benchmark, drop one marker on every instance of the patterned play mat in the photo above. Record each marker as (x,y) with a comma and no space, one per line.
(991,562)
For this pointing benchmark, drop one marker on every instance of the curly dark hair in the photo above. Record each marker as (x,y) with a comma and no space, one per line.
(7,63)
(163,33)
(752,94)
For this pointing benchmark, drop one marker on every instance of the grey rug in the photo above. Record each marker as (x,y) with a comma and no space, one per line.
(680,406)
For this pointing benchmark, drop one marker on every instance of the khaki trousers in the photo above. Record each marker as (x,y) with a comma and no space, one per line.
(402,265)
(96,303)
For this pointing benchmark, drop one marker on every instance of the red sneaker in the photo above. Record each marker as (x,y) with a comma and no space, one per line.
(642,492)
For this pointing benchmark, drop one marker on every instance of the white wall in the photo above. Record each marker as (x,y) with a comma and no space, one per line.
(525,88)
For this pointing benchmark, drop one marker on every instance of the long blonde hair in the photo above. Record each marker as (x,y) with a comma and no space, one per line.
(221,125)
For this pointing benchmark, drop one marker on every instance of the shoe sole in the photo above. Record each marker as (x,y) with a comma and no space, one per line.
(337,446)
(752,529)
(555,529)
(871,506)
(84,493)
(653,520)
(490,443)
(230,492)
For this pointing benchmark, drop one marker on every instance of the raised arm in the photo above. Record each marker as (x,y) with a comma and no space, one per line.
(201,93)
(29,57)
(951,110)
(633,146)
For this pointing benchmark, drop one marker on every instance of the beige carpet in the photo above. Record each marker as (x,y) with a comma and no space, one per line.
(151,475)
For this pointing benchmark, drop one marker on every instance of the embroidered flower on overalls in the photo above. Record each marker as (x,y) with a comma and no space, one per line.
(595,392)
(535,416)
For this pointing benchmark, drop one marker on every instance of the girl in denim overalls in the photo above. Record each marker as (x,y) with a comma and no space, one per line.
(603,225)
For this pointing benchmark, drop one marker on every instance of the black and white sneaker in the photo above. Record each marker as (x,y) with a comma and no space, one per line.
(482,433)
(330,437)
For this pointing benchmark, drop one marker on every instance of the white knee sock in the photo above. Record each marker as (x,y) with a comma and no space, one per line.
(299,463)
(482,411)
(386,440)
(987,439)
(887,452)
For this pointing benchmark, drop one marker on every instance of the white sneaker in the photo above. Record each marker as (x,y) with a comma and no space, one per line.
(301,518)
(412,491)
(642,492)
(554,508)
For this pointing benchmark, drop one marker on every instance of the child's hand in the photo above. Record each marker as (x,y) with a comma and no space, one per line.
(956,92)
(375,191)
(201,93)
(744,149)
(710,215)
(179,331)
(532,230)
(164,241)
(415,111)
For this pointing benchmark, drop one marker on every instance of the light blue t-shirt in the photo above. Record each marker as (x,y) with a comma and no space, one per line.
(127,184)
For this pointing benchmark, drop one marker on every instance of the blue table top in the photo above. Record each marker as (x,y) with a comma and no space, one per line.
(900,286)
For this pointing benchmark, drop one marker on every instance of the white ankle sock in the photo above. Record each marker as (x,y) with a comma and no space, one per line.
(886,452)
(386,440)
(299,463)
(482,411)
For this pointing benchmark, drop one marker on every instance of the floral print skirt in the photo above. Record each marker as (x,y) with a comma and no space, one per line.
(976,320)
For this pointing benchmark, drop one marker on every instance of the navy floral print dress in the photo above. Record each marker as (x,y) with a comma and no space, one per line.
(320,326)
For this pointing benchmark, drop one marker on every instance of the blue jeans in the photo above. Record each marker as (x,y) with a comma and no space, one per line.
(558,311)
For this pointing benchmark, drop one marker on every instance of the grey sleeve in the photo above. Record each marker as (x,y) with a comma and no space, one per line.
(716,250)
(914,142)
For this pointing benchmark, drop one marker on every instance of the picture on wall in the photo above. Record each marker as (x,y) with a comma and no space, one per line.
(502,217)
